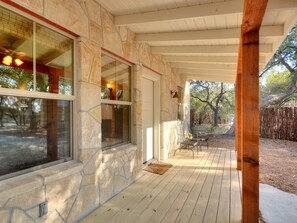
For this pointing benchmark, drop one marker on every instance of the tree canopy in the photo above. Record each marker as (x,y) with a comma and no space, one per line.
(212,98)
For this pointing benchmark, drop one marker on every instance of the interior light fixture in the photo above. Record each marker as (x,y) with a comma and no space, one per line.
(18,62)
(7,60)
(109,87)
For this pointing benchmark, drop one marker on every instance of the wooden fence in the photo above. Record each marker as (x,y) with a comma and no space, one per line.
(279,123)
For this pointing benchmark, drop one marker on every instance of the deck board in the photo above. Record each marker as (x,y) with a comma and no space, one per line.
(204,189)
(213,201)
(201,204)
(175,208)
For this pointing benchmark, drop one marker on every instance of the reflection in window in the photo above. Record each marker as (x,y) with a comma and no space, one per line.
(116,107)
(16,51)
(52,69)
(116,79)
(33,132)
(54,53)
(115,124)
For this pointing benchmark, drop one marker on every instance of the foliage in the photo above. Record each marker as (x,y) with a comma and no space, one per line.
(276,82)
(286,55)
(282,70)
(212,98)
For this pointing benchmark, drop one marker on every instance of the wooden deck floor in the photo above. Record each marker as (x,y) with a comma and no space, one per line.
(206,189)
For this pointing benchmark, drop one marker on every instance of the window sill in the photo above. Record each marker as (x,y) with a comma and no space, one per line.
(26,182)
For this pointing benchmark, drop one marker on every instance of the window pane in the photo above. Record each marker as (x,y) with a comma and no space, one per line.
(116,80)
(16,51)
(108,76)
(115,124)
(33,132)
(54,62)
(123,82)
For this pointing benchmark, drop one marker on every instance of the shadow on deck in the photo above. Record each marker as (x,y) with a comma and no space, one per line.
(206,189)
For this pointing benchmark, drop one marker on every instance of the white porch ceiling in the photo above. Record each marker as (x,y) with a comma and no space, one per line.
(200,38)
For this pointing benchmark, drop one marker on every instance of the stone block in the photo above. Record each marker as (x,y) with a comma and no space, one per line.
(93,166)
(4,216)
(119,183)
(118,165)
(59,191)
(86,154)
(155,62)
(57,172)
(144,54)
(28,199)
(90,179)
(111,37)
(106,185)
(86,59)
(96,70)
(123,33)
(65,207)
(51,217)
(18,185)
(68,14)
(89,96)
(33,212)
(94,11)
(128,168)
(34,5)
(96,113)
(90,132)
(86,201)
(20,216)
(107,159)
(96,33)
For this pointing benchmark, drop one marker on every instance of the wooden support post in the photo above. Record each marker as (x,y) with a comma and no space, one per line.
(253,14)
(238,126)
(250,127)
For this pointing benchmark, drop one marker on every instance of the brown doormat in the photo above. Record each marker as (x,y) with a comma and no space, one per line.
(158,167)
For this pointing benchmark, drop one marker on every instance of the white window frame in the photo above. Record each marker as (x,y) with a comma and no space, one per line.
(45,95)
(115,102)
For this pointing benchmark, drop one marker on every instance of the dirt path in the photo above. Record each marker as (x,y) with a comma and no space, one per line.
(278,161)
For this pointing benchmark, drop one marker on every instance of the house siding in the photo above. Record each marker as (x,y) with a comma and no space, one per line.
(76,188)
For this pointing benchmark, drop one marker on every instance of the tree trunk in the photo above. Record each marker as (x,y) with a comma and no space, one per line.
(216,117)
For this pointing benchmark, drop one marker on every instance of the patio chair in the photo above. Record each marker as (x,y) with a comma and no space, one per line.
(201,140)
(187,144)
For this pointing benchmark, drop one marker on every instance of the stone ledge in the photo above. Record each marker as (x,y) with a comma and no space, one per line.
(118,149)
(56,172)
(20,184)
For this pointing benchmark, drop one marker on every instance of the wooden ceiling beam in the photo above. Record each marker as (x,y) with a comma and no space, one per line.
(206,59)
(228,79)
(215,34)
(197,11)
(231,67)
(207,72)
(218,49)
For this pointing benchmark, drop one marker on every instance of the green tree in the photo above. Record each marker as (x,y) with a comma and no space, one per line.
(214,97)
(284,59)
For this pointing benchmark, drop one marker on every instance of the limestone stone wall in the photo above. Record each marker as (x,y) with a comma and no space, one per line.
(75,188)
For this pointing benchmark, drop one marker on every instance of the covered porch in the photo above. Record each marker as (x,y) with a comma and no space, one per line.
(204,189)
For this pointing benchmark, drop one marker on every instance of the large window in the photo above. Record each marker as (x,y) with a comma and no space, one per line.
(36,94)
(116,102)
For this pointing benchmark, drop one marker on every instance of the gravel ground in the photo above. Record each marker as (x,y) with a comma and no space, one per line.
(278,161)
